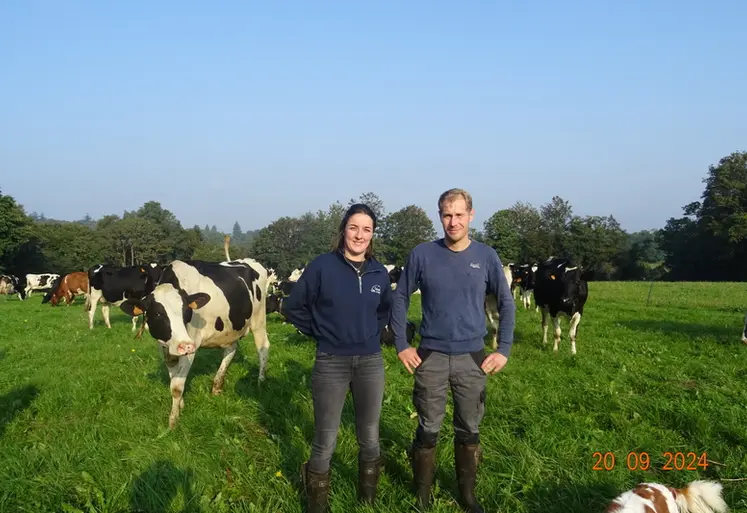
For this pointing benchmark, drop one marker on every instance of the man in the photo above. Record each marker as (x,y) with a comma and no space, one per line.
(454,274)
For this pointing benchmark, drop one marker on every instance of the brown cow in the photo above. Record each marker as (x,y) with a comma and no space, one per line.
(67,287)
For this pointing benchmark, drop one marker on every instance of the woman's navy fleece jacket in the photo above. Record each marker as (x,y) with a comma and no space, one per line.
(342,309)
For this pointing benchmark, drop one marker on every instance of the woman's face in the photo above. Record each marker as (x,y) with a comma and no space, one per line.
(358,234)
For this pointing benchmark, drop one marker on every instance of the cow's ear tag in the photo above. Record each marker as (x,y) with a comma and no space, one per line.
(552,276)
(193,305)
(136,310)
(142,270)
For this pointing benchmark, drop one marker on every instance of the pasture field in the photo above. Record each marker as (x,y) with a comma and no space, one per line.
(84,414)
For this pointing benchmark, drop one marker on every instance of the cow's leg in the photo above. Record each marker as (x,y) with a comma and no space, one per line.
(134,322)
(544,325)
(575,320)
(105,313)
(228,354)
(556,331)
(261,340)
(744,330)
(493,328)
(143,327)
(93,303)
(178,367)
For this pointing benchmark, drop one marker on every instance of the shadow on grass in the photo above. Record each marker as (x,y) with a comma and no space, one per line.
(156,488)
(207,361)
(14,402)
(725,335)
(279,413)
(3,354)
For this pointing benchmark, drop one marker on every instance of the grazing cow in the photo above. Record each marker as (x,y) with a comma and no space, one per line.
(205,304)
(68,287)
(11,284)
(111,285)
(560,288)
(387,337)
(50,292)
(39,282)
(696,497)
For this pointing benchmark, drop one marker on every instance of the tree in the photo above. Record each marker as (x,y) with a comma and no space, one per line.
(374,203)
(710,241)
(402,231)
(15,231)
(594,242)
(556,217)
(500,233)
(236,233)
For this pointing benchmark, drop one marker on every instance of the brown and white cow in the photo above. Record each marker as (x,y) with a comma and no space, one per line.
(68,287)
(205,304)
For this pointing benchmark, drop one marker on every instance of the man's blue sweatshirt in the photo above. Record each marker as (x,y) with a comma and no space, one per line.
(342,308)
(453,286)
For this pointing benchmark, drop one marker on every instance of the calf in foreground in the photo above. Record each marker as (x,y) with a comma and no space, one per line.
(559,288)
(205,304)
(697,497)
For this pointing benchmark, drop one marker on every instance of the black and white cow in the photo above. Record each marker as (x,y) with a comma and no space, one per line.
(524,277)
(387,337)
(491,310)
(395,272)
(11,284)
(110,285)
(560,288)
(42,281)
(205,304)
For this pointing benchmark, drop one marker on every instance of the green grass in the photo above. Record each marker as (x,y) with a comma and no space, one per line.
(84,414)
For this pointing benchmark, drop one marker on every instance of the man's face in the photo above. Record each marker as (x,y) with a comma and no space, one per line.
(455,219)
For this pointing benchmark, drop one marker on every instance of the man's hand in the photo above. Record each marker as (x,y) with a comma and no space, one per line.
(492,363)
(409,358)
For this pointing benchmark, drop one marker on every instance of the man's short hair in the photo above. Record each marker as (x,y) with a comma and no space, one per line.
(453,194)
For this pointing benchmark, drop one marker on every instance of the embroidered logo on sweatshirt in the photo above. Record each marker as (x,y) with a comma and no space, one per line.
(475,265)
(376,289)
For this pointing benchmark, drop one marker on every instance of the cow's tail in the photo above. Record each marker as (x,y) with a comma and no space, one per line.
(226,240)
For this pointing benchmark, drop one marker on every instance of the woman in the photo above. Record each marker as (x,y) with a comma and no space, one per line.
(343,300)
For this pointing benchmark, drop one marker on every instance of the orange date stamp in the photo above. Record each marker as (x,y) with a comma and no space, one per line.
(642,461)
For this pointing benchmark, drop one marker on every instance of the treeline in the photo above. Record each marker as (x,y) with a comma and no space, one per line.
(707,243)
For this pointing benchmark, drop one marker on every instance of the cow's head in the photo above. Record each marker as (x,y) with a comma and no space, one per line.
(273,303)
(168,311)
(568,280)
(51,295)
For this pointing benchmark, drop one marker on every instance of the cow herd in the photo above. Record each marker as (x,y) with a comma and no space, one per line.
(189,304)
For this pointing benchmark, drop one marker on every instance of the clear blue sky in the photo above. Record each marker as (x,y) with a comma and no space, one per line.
(250,110)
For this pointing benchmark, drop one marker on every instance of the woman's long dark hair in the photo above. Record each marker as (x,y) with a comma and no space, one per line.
(358,208)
